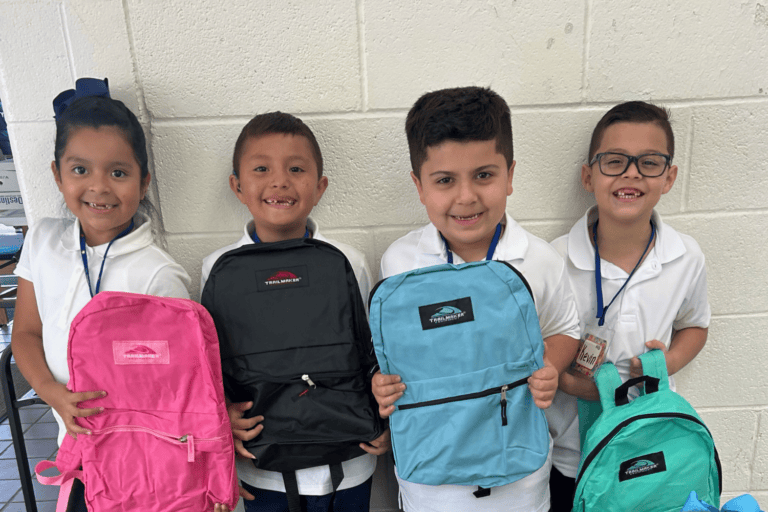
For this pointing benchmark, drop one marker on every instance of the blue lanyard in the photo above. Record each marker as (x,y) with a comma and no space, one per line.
(256,240)
(85,257)
(491,248)
(601,311)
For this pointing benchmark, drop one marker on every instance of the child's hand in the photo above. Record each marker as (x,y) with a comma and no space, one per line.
(65,403)
(380,445)
(543,385)
(220,507)
(577,385)
(636,367)
(243,429)
(386,389)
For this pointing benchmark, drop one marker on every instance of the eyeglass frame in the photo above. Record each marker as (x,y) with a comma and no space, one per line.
(630,160)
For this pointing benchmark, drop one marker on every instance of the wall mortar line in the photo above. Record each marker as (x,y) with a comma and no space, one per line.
(689,158)
(585,55)
(362,54)
(67,42)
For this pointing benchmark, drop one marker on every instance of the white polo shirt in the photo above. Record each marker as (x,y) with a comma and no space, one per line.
(667,293)
(312,481)
(51,261)
(545,272)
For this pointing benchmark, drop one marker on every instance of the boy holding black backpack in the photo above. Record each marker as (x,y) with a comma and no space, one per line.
(460,142)
(278,175)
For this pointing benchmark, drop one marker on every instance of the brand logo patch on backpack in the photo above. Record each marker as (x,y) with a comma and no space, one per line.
(641,466)
(141,352)
(282,278)
(442,314)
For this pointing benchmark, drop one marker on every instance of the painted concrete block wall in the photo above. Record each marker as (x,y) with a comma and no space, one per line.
(196,71)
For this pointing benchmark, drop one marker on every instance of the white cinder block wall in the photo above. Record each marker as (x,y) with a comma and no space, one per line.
(195,71)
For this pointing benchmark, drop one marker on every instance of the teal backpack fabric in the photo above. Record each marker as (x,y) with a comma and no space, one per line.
(647,454)
(464,339)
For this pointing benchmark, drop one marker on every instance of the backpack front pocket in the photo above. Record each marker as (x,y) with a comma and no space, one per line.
(480,428)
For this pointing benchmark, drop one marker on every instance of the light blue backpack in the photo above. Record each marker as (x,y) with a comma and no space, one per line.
(464,338)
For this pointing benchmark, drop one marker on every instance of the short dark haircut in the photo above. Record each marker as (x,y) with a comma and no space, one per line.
(633,112)
(96,112)
(276,122)
(462,114)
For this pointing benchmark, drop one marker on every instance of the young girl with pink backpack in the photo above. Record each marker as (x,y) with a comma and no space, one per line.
(101,169)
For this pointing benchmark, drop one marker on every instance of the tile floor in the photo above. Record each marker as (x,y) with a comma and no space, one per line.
(40,432)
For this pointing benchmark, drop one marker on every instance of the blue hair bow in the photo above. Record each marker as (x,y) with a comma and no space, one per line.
(743,503)
(83,87)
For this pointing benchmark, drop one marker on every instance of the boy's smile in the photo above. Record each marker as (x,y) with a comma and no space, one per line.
(629,197)
(278,182)
(464,187)
(101,182)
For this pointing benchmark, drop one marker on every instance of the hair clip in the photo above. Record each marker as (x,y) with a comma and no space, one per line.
(83,87)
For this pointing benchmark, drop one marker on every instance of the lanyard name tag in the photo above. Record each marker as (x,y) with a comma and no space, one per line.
(593,347)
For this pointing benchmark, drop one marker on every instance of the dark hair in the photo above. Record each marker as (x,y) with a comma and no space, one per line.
(276,122)
(460,114)
(633,112)
(95,112)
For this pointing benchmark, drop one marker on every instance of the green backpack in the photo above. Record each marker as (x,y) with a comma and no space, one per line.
(648,454)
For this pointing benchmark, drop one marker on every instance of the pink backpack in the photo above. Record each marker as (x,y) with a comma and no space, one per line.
(163,442)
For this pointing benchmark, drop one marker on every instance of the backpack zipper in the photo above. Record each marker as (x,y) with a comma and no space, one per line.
(607,439)
(501,390)
(187,439)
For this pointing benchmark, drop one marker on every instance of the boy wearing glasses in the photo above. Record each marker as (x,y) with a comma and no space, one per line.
(639,284)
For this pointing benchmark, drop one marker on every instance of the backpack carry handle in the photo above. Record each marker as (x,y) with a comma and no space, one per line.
(614,393)
(650,385)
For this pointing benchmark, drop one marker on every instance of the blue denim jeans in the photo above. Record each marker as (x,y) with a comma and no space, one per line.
(355,499)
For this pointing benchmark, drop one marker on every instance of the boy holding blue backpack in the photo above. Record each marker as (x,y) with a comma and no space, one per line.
(460,142)
(639,284)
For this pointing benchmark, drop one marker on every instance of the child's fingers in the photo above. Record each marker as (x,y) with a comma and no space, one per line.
(219,507)
(240,450)
(84,396)
(245,494)
(247,435)
(656,344)
(385,387)
(388,398)
(635,367)
(386,412)
(542,403)
(246,423)
(236,410)
(379,379)
(74,429)
(84,413)
(374,450)
(380,445)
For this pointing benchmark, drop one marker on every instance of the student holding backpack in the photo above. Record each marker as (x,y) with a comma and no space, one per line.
(278,176)
(460,143)
(639,284)
(100,167)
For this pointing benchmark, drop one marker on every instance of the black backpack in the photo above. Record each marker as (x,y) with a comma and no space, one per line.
(295,340)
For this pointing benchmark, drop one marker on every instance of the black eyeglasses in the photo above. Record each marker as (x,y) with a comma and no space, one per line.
(616,164)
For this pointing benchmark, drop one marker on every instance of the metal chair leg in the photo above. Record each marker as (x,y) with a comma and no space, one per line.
(17,435)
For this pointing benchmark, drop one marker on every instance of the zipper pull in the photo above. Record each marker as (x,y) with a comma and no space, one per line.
(504,405)
(190,441)
(309,382)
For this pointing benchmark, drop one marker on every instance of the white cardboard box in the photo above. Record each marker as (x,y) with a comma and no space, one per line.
(8,181)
